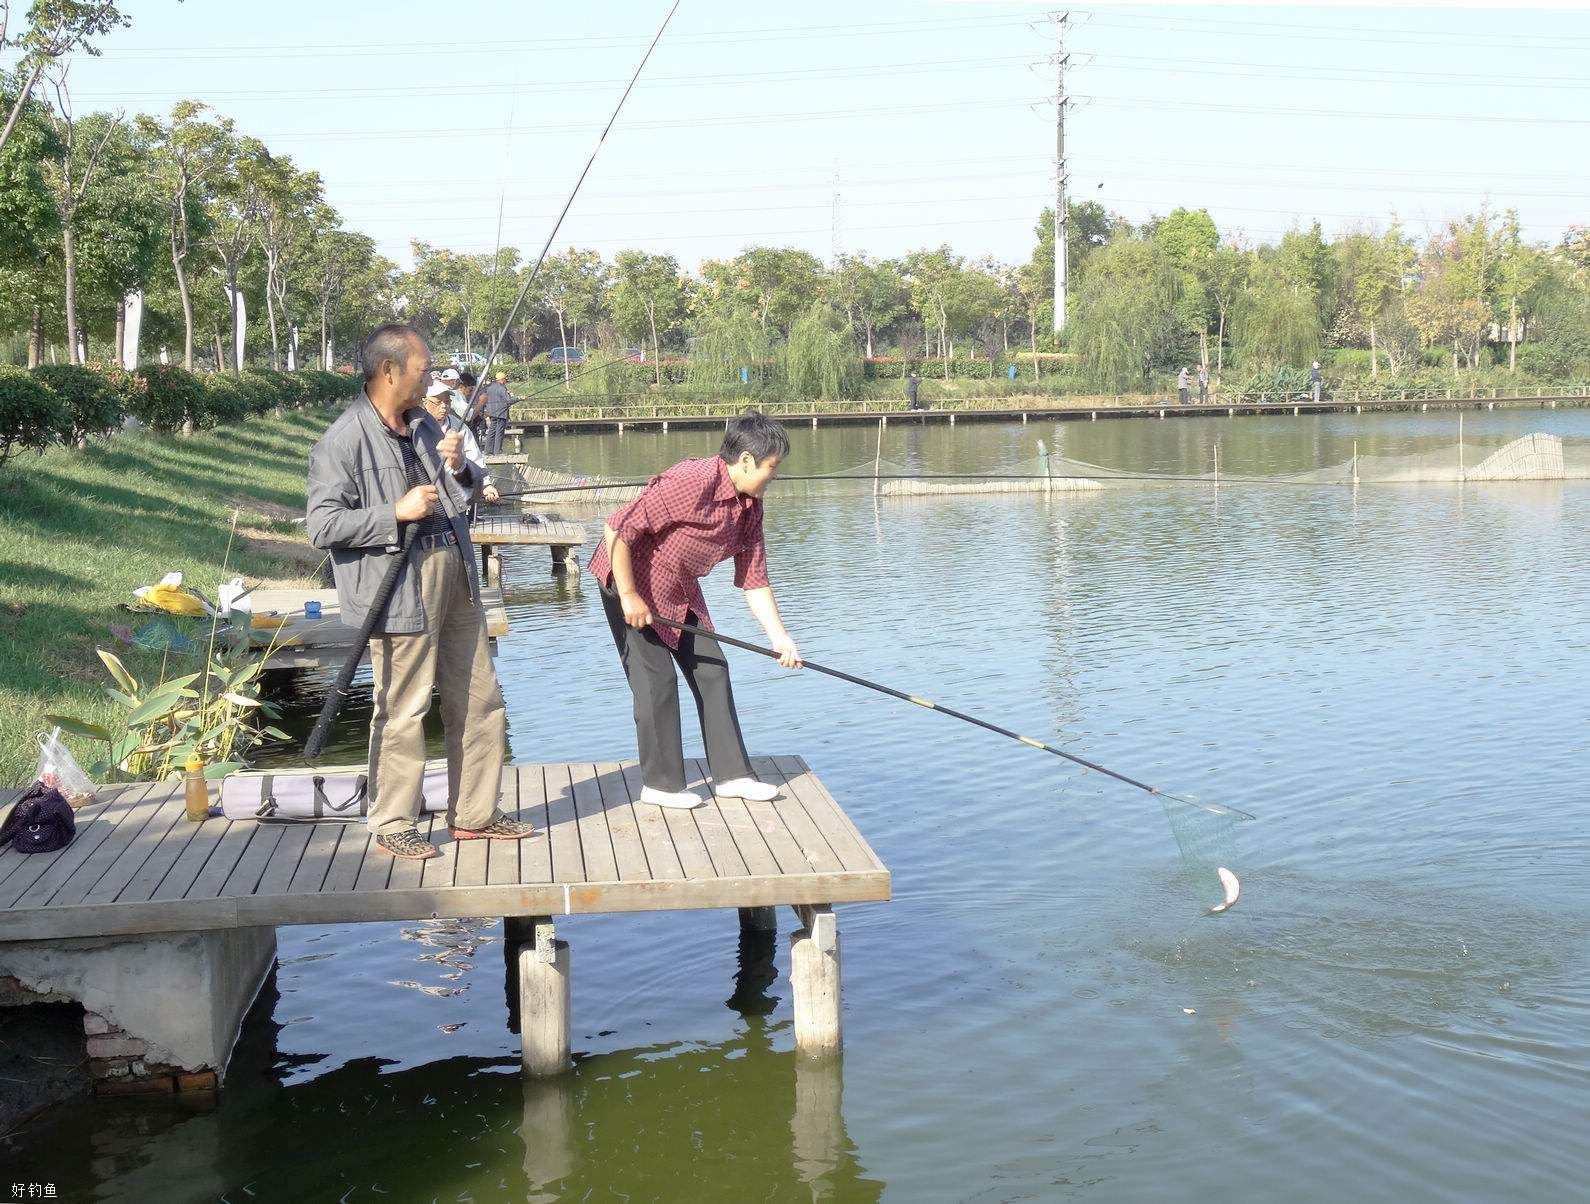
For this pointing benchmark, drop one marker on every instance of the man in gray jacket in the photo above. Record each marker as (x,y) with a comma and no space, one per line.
(383,464)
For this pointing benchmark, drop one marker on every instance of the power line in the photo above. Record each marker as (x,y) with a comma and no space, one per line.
(1319,33)
(1295,71)
(893,29)
(757,78)
(664,124)
(696,210)
(1119,102)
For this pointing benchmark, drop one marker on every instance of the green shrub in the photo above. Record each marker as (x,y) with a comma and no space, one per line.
(331,388)
(226,399)
(261,391)
(89,405)
(292,387)
(127,387)
(30,416)
(171,397)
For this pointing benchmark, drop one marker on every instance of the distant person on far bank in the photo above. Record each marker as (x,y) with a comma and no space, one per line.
(382,469)
(913,383)
(1203,384)
(1316,382)
(1183,385)
(497,401)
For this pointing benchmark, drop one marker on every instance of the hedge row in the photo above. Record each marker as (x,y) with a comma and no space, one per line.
(66,403)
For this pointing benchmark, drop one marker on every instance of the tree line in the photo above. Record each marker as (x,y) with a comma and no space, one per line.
(191,229)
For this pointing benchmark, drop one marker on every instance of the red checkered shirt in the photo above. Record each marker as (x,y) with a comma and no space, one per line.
(685,522)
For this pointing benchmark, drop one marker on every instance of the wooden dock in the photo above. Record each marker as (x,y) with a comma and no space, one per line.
(138,867)
(324,643)
(491,532)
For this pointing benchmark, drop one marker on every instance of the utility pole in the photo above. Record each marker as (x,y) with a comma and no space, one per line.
(1061,216)
(834,241)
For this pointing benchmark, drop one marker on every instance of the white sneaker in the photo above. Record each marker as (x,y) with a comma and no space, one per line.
(747,788)
(683,799)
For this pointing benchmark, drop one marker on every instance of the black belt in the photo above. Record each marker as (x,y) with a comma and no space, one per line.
(441,539)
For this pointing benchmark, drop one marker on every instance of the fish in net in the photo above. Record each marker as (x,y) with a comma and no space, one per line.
(1206,840)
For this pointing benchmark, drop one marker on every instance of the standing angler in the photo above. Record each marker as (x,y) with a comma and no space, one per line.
(653,555)
(385,463)
(496,407)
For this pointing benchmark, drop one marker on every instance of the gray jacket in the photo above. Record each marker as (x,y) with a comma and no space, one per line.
(356,479)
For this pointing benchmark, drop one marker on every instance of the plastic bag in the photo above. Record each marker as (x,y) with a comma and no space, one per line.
(59,770)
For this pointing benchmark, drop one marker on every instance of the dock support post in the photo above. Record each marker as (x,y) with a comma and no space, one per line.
(665,426)
(546,430)
(544,1001)
(758,919)
(547,1131)
(817,1128)
(814,975)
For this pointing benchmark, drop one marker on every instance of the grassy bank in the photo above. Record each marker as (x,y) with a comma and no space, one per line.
(80,530)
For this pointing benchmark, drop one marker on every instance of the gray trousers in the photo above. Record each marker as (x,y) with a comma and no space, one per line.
(649,667)
(495,427)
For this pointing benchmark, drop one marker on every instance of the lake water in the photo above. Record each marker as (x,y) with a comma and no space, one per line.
(1391,679)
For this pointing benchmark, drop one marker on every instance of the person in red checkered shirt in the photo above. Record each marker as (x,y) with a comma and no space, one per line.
(653,555)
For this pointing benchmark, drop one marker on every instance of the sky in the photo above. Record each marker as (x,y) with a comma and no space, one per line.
(880,127)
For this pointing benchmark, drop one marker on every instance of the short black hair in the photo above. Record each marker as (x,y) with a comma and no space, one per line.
(754,432)
(468,378)
(392,342)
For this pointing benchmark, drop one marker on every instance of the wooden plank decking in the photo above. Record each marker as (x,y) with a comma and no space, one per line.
(137,866)
(490,532)
(492,529)
(324,642)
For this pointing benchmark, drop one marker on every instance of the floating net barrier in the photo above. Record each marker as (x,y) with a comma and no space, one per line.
(941,488)
(1533,457)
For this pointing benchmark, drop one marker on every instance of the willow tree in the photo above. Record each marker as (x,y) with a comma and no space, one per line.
(730,339)
(821,359)
(1275,321)
(1127,313)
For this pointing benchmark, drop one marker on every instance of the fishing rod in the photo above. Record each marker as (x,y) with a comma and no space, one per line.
(1212,808)
(388,585)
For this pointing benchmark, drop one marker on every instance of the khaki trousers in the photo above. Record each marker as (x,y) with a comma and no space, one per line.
(451,656)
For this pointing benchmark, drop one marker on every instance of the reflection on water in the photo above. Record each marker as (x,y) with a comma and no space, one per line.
(737,1118)
(1391,679)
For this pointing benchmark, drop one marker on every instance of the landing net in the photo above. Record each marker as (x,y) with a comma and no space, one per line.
(1206,839)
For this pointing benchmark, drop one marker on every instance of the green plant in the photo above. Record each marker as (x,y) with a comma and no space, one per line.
(30,415)
(163,724)
(161,728)
(172,399)
(821,358)
(88,403)
(226,398)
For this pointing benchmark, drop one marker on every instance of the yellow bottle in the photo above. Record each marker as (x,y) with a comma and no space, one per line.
(195,793)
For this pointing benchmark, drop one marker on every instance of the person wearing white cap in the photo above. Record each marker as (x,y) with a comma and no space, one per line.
(443,403)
